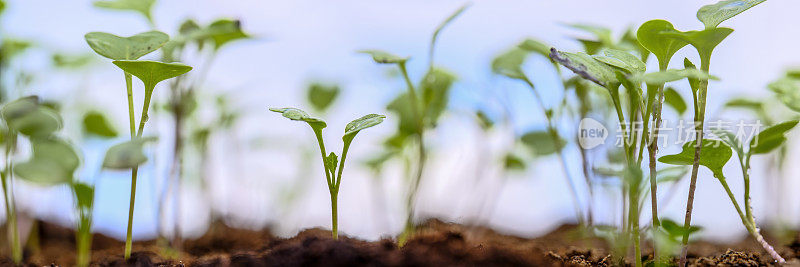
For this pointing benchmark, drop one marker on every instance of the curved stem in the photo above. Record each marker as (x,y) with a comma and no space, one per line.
(8,192)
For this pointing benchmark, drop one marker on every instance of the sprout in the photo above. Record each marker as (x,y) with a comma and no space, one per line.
(330,161)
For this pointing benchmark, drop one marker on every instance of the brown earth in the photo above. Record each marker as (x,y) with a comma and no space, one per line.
(435,244)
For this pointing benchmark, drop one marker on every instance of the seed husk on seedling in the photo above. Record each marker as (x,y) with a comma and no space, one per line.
(330,161)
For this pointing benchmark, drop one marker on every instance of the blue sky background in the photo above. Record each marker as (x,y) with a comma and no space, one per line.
(298,41)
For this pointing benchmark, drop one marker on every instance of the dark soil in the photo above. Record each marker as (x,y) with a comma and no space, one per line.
(435,244)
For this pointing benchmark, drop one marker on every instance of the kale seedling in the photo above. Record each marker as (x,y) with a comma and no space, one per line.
(704,41)
(330,161)
(124,51)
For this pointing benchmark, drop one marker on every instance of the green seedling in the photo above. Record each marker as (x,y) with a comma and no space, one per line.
(26,116)
(670,235)
(54,162)
(704,41)
(321,96)
(95,123)
(765,142)
(509,64)
(150,73)
(417,110)
(330,161)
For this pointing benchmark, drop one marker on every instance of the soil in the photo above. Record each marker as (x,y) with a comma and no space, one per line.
(435,244)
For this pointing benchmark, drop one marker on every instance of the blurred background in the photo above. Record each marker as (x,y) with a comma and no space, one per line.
(263,170)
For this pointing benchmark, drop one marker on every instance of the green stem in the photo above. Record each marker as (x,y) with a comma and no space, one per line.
(700,109)
(634,220)
(334,214)
(421,157)
(11,211)
(129,236)
(653,149)
(131,118)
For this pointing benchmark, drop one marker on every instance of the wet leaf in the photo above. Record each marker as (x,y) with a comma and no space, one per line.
(771,138)
(152,72)
(321,96)
(713,155)
(296,114)
(651,36)
(125,48)
(383,57)
(97,124)
(714,14)
(127,155)
(362,123)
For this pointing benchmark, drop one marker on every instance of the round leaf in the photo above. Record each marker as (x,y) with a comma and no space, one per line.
(126,155)
(651,37)
(125,48)
(321,96)
(97,124)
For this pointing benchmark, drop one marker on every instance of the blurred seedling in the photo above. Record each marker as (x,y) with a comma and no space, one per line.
(330,161)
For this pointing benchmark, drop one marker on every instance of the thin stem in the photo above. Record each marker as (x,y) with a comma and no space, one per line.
(653,149)
(700,108)
(556,140)
(129,237)
(318,134)
(131,118)
(634,219)
(749,221)
(11,212)
(334,214)
(421,145)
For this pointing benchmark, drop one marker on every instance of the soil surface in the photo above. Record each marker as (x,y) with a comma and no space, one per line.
(435,244)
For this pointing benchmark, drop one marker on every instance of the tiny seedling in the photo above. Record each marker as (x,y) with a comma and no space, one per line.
(124,51)
(418,110)
(26,116)
(704,41)
(330,161)
(766,141)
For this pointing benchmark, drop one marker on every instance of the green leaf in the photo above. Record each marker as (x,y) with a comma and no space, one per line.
(68,61)
(144,7)
(693,83)
(586,66)
(730,139)
(674,100)
(27,116)
(713,155)
(224,31)
(10,48)
(321,96)
(745,103)
(651,36)
(331,161)
(152,72)
(444,24)
(362,123)
(407,124)
(788,91)
(296,114)
(713,15)
(2,6)
(541,143)
(97,124)
(535,46)
(509,63)
(602,34)
(127,155)
(84,195)
(513,162)
(771,137)
(435,88)
(382,57)
(704,41)
(622,60)
(125,48)
(675,230)
(670,75)
(53,162)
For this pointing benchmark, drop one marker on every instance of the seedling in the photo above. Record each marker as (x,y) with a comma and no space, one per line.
(766,141)
(704,42)
(330,161)
(415,114)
